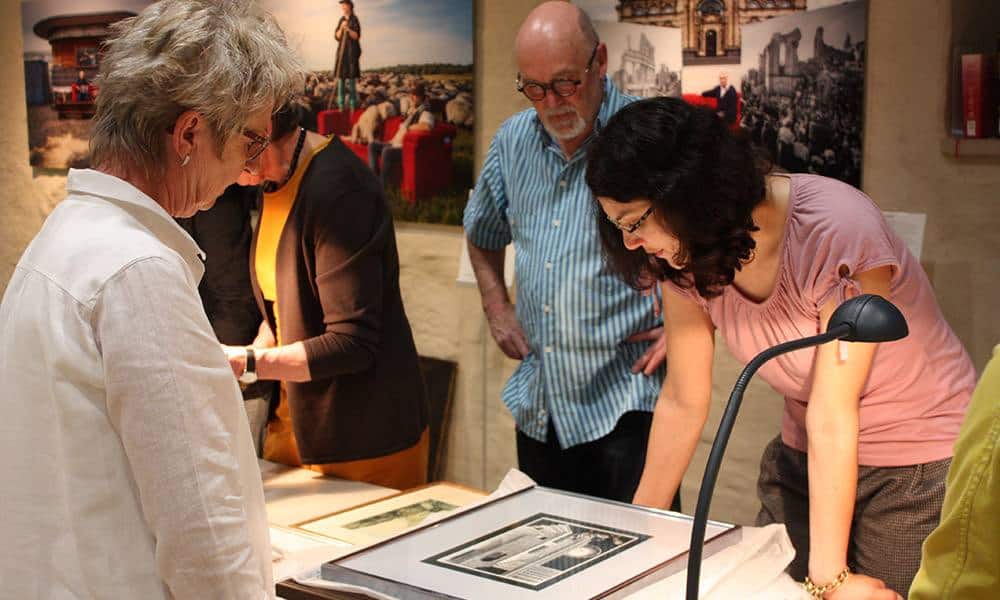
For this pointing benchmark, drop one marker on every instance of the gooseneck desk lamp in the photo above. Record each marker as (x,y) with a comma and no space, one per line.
(864,318)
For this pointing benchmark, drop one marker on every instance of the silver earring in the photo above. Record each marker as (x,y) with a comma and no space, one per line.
(186,160)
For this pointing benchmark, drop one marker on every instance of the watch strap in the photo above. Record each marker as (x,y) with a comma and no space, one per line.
(251,362)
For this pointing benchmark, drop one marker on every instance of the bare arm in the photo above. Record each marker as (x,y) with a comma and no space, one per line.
(832,427)
(488,267)
(682,407)
(500,313)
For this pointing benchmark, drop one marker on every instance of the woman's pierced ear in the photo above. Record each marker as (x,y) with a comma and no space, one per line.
(186,160)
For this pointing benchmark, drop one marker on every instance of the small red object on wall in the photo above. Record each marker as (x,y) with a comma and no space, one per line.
(978,109)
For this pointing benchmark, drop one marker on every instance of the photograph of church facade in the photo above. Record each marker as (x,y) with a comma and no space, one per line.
(643,61)
(710,29)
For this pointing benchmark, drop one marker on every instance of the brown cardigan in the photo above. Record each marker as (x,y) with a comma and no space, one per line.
(337,284)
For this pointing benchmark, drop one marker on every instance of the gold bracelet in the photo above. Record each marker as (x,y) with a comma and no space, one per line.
(818,591)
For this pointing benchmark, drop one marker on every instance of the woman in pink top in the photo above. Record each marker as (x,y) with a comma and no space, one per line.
(858,472)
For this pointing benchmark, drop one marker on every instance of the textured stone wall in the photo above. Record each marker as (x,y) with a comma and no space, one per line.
(20,213)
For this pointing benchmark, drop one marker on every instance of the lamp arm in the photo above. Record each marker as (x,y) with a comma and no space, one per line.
(722,439)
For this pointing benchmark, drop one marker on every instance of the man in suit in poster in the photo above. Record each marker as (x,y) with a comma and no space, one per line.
(726,95)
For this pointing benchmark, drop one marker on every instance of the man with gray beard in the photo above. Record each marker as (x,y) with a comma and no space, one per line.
(591,348)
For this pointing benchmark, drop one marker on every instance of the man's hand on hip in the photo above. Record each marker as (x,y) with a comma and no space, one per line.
(506,330)
(655,355)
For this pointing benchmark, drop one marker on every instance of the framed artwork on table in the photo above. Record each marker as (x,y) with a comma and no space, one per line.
(376,521)
(533,544)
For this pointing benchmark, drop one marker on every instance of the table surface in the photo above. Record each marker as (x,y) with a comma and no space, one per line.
(296,495)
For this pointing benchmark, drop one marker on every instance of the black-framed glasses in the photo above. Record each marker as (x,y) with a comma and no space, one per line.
(631,228)
(536,91)
(258,143)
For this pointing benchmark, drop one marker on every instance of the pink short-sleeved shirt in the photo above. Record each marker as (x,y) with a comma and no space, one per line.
(915,398)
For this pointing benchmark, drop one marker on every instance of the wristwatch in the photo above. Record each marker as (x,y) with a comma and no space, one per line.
(250,370)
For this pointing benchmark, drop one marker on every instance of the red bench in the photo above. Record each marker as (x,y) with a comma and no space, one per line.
(426,154)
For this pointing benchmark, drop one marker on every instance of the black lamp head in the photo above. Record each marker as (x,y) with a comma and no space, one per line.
(871,319)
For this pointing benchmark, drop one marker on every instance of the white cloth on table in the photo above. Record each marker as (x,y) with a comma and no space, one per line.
(126,462)
(752,569)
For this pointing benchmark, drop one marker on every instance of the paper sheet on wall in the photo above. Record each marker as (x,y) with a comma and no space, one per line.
(910,227)
(466,276)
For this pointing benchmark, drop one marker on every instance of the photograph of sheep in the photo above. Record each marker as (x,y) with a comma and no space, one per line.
(394,79)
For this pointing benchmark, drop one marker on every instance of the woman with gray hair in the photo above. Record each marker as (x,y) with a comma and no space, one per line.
(126,461)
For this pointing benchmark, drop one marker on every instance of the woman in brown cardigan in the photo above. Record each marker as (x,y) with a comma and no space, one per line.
(325,272)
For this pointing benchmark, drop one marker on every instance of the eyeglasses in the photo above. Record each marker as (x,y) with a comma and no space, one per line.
(536,91)
(257,144)
(631,227)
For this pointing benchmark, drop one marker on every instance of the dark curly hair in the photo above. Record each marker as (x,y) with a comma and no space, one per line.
(702,180)
(287,119)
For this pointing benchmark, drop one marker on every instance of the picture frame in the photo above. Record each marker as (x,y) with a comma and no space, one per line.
(536,543)
(87,57)
(378,520)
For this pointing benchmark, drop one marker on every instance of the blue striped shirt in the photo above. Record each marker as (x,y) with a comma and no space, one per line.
(575,314)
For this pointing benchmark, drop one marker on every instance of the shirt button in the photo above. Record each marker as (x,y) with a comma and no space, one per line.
(562,183)
(548,265)
(555,222)
(548,349)
(547,309)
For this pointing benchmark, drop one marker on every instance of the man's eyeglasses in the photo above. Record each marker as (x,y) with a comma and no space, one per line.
(257,145)
(536,91)
(631,228)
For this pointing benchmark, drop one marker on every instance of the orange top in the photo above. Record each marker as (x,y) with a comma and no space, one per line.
(276,208)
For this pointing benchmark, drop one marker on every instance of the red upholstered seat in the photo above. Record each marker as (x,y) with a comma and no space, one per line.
(74,93)
(333,122)
(426,154)
(699,100)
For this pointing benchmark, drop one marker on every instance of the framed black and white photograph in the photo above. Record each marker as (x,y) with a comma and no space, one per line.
(537,552)
(537,544)
(803,89)
(390,516)
(709,30)
(643,60)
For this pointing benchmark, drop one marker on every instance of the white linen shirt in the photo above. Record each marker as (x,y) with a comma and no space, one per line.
(126,464)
